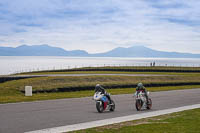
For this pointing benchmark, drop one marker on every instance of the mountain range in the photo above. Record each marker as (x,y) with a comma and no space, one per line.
(135,51)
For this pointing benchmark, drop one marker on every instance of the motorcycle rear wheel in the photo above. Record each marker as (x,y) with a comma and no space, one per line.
(150,104)
(112,106)
(138,104)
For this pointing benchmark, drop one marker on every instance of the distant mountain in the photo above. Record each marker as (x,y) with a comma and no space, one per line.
(141,51)
(135,51)
(39,50)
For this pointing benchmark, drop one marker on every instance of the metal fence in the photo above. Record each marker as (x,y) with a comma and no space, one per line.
(35,69)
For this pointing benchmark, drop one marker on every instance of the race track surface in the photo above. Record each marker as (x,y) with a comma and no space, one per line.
(30,116)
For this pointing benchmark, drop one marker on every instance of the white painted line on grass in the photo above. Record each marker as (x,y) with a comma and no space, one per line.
(104,122)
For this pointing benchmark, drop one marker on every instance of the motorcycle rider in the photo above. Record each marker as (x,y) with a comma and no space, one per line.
(99,88)
(140,88)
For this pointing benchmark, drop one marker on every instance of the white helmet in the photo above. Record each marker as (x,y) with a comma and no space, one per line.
(97,85)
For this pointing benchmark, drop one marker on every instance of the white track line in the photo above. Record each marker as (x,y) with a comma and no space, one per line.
(104,122)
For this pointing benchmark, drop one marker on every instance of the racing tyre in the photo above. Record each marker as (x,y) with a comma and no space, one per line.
(150,104)
(99,106)
(112,106)
(138,104)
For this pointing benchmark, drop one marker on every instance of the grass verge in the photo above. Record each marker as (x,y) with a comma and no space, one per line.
(105,72)
(10,91)
(55,84)
(128,69)
(13,95)
(180,122)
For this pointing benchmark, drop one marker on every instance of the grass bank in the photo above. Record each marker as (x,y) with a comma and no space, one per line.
(105,72)
(62,84)
(82,86)
(125,69)
(13,95)
(181,122)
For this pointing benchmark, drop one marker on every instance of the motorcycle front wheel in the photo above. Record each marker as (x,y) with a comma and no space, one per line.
(99,106)
(138,104)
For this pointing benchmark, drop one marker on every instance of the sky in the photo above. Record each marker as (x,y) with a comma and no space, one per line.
(101,25)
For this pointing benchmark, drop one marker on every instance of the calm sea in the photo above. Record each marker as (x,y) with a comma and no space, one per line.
(16,64)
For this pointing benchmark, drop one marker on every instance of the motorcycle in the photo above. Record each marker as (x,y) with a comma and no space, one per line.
(102,102)
(141,101)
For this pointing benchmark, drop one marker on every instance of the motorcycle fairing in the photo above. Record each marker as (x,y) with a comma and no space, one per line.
(104,99)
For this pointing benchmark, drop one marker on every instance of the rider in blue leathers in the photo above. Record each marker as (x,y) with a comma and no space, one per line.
(99,88)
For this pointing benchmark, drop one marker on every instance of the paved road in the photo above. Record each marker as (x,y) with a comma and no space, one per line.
(106,74)
(21,117)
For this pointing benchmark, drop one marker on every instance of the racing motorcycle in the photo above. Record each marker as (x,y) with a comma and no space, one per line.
(102,102)
(141,101)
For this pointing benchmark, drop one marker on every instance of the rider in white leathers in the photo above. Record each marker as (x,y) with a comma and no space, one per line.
(140,88)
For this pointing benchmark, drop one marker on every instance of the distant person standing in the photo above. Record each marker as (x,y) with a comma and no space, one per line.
(154,64)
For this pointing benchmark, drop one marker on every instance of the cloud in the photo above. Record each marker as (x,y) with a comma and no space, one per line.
(98,26)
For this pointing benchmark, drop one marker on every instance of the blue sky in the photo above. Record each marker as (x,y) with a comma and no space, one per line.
(100,25)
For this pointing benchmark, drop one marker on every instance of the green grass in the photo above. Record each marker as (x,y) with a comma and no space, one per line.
(117,69)
(181,122)
(107,72)
(92,72)
(10,91)
(14,95)
(53,83)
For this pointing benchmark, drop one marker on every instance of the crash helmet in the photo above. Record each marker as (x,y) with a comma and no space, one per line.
(97,87)
(140,85)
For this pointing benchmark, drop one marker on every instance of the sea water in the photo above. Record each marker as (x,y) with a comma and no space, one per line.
(17,64)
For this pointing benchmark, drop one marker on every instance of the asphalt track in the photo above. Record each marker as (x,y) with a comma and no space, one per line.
(30,116)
